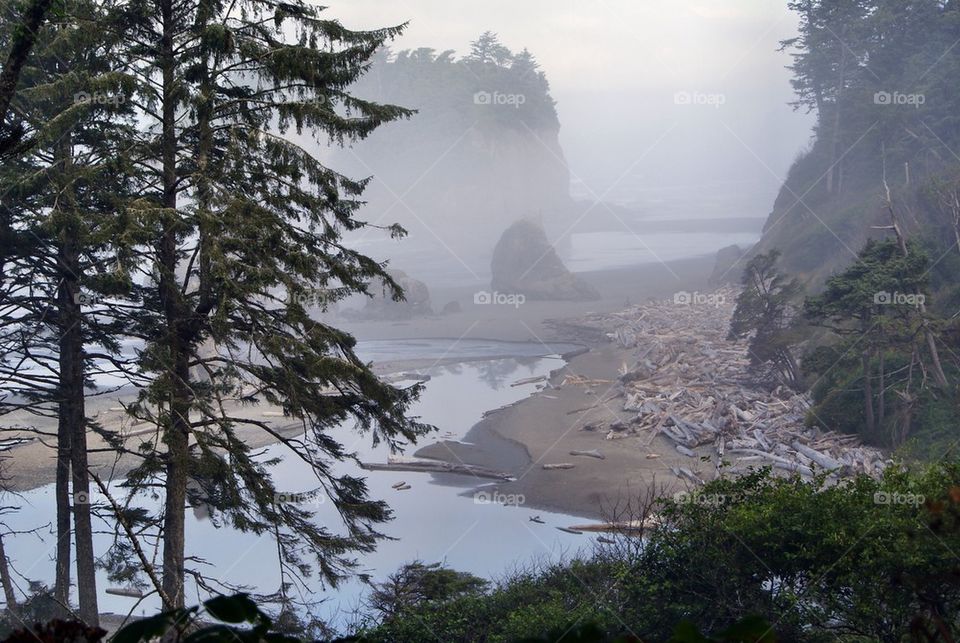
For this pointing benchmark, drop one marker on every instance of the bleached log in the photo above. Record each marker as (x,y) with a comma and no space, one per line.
(794,468)
(821,459)
(571,531)
(758,434)
(763,454)
(530,380)
(129,592)
(706,426)
(620,526)
(689,475)
(593,453)
(679,439)
(435,466)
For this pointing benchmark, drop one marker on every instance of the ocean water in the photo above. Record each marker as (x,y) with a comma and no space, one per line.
(479,531)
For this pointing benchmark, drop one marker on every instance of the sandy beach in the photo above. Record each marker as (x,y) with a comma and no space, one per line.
(544,428)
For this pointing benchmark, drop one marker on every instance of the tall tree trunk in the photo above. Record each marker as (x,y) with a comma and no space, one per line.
(182,326)
(952,200)
(6,582)
(814,78)
(61,584)
(833,182)
(177,431)
(881,393)
(868,394)
(177,441)
(73,413)
(64,549)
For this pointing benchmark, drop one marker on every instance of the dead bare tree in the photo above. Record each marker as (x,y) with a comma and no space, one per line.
(949,198)
(938,375)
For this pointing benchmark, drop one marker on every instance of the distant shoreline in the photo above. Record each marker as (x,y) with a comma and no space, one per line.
(536,320)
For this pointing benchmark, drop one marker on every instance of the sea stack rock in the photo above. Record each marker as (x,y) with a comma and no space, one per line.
(725,268)
(525,263)
(416,301)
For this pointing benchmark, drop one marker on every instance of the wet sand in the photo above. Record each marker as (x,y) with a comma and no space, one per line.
(546,427)
(33,464)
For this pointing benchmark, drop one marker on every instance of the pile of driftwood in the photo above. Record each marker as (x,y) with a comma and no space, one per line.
(689,384)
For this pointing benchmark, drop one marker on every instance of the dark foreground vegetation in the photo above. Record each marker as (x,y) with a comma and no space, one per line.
(754,559)
(864,560)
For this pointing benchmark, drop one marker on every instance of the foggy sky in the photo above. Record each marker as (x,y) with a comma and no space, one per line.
(616,68)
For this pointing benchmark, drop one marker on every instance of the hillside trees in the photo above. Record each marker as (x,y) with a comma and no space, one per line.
(895,105)
(867,559)
(442,85)
(873,307)
(828,61)
(416,585)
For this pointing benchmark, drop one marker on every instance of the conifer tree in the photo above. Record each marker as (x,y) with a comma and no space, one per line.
(242,227)
(874,308)
(766,312)
(61,199)
(487,50)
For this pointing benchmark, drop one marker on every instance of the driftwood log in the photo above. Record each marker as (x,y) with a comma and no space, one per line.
(435,466)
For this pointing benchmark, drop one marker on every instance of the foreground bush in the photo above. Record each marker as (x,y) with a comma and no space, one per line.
(759,558)
(856,561)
